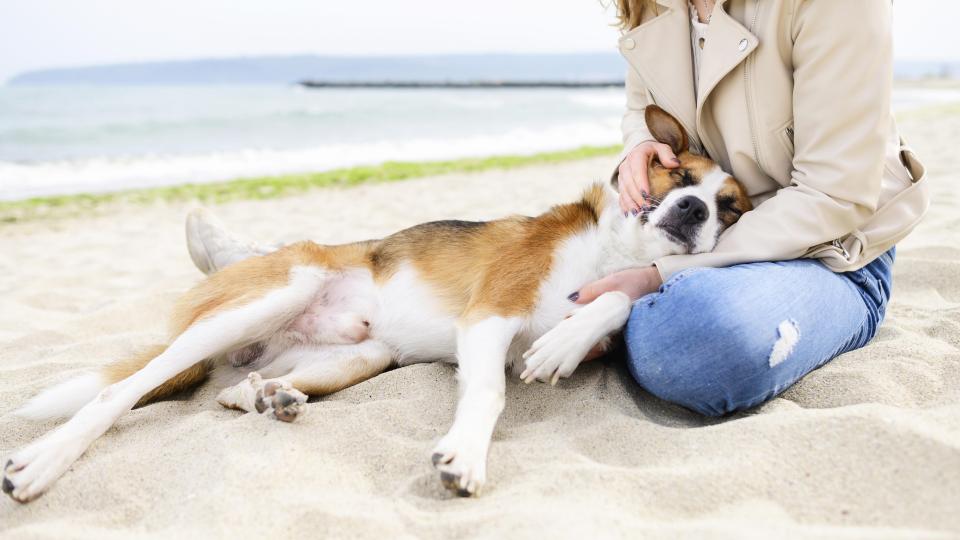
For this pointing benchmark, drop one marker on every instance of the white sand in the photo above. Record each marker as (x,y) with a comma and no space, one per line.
(867,447)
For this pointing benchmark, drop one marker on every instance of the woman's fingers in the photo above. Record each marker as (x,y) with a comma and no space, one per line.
(634,181)
(666,156)
(624,175)
(634,282)
(628,188)
(589,292)
(640,165)
(628,201)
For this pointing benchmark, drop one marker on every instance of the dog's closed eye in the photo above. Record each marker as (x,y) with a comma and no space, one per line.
(682,177)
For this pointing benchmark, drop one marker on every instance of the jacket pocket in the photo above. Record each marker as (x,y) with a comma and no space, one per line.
(778,148)
(786,137)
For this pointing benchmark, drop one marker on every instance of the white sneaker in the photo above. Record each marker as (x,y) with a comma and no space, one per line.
(212,247)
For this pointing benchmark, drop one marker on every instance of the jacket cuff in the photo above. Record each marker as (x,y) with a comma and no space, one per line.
(664,268)
(671,264)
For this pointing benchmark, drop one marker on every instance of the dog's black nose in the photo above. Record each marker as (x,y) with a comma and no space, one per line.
(692,210)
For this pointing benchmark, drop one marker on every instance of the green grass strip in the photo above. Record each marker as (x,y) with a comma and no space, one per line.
(269,187)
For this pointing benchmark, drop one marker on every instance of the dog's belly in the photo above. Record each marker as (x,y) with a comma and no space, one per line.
(410,319)
(406,314)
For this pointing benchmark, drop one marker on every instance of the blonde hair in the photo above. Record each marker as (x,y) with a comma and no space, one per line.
(630,12)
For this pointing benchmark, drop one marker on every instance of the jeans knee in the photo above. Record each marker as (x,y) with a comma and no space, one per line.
(695,352)
(682,382)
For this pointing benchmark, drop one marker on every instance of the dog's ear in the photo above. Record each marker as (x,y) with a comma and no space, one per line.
(666,129)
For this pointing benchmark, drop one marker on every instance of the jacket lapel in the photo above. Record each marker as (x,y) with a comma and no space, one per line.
(728,44)
(659,50)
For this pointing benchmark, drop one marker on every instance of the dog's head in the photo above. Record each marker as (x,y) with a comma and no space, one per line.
(693,203)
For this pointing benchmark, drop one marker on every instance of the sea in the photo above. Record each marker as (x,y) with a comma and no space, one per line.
(87,139)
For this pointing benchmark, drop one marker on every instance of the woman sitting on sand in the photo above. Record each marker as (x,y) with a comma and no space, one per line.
(793,98)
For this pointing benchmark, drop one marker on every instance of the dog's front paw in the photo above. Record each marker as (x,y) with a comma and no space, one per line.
(556,354)
(463,469)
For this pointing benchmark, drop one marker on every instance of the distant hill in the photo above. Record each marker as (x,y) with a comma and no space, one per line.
(290,69)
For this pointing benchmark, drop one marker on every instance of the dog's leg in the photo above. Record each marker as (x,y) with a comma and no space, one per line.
(461,455)
(558,352)
(30,471)
(313,371)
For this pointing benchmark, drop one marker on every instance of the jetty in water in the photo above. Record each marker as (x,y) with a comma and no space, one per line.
(461,84)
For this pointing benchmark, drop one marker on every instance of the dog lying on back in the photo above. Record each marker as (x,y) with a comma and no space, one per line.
(485,295)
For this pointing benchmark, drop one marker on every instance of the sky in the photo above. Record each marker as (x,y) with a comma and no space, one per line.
(36,34)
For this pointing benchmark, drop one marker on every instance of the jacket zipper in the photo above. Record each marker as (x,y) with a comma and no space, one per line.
(839,245)
(749,89)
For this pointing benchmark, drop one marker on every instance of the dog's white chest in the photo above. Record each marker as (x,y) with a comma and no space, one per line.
(578,261)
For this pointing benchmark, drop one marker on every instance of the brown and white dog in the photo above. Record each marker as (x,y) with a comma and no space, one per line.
(487,295)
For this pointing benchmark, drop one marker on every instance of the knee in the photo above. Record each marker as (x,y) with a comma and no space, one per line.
(695,350)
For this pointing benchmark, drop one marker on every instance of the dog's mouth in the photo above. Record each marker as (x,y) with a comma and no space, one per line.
(677,236)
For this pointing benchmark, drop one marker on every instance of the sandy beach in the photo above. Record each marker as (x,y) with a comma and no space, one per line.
(866,447)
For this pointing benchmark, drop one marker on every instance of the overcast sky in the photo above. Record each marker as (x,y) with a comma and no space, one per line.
(58,33)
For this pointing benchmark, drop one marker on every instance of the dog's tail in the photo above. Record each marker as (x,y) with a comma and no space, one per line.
(66,398)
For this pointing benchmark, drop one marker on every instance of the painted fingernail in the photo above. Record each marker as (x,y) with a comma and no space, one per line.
(635,212)
(677,161)
(574,296)
(644,194)
(625,214)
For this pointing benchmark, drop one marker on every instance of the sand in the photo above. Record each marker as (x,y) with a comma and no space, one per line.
(866,447)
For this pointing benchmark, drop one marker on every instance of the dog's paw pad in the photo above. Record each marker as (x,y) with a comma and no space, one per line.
(460,473)
(452,482)
(280,399)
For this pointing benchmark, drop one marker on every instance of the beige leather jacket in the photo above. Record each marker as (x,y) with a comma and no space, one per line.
(794,101)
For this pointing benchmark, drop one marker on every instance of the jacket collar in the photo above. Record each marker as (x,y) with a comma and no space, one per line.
(728,44)
(659,50)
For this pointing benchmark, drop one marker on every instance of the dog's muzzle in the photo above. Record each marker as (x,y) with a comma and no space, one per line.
(684,219)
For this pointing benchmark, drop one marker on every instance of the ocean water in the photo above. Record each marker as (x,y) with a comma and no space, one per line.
(58,140)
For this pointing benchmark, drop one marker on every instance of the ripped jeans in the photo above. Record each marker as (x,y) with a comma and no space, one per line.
(719,340)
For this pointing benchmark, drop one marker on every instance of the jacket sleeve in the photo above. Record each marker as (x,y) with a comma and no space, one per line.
(839,142)
(634,123)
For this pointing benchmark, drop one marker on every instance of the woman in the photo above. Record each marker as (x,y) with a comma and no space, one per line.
(793,98)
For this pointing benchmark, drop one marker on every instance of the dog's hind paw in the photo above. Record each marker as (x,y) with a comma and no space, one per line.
(280,398)
(274,397)
(29,472)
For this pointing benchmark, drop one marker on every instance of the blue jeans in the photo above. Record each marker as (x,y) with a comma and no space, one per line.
(719,340)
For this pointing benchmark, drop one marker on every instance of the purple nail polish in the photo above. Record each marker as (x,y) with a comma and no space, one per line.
(574,296)
(635,212)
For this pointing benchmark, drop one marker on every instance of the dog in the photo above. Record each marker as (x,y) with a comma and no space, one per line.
(316,319)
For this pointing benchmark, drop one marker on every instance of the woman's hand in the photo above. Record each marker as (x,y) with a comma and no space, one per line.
(633,181)
(634,282)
